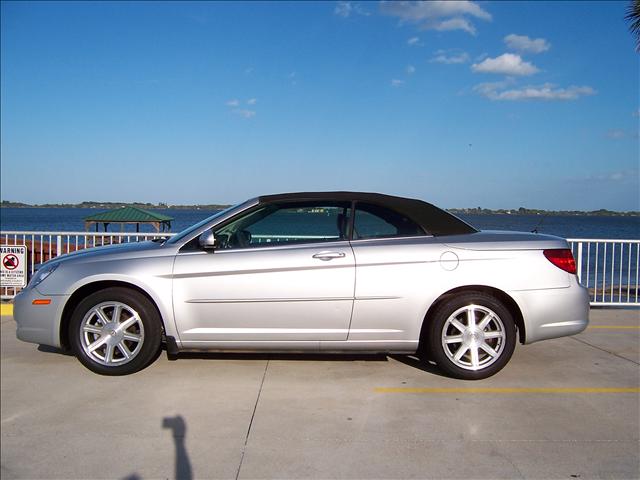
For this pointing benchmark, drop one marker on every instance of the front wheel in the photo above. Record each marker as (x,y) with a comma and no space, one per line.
(472,336)
(115,331)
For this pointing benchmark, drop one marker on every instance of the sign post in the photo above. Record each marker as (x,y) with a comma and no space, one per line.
(13,266)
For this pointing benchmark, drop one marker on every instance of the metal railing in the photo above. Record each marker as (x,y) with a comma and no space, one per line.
(43,246)
(608,268)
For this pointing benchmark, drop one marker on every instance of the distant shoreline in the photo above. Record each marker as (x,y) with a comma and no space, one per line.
(112,205)
(456,211)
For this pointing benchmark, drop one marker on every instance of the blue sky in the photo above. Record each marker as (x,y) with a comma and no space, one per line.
(464,104)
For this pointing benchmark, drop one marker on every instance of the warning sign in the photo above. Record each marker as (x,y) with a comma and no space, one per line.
(13,266)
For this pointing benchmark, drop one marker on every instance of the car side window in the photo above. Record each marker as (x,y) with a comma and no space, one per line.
(290,223)
(374,221)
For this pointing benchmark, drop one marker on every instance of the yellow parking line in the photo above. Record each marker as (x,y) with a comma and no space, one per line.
(505,390)
(6,308)
(617,327)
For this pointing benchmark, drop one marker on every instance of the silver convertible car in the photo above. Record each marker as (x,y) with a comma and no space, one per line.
(311,272)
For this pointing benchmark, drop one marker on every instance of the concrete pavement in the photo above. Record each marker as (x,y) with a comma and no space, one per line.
(565,408)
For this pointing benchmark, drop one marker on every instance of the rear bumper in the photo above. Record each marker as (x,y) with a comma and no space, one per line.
(38,323)
(553,313)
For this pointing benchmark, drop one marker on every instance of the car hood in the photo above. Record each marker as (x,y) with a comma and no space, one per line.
(111,252)
(503,240)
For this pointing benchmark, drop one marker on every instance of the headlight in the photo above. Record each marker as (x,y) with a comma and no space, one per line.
(42,273)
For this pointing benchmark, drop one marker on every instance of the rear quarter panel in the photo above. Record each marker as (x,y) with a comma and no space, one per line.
(397,280)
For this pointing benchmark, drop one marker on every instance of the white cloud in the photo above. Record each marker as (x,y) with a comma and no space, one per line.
(346,9)
(244,112)
(455,24)
(505,64)
(616,134)
(414,42)
(524,44)
(397,83)
(411,69)
(440,15)
(416,11)
(343,9)
(450,57)
(615,176)
(547,92)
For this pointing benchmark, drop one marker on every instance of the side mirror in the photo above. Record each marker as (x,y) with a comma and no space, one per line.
(207,240)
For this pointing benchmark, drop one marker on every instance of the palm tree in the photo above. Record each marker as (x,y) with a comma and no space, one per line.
(633,17)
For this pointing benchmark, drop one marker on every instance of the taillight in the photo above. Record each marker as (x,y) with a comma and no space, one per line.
(562,258)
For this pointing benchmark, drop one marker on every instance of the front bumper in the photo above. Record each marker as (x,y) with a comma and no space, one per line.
(553,313)
(38,323)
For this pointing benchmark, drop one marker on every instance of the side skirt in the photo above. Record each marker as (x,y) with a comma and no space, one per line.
(341,346)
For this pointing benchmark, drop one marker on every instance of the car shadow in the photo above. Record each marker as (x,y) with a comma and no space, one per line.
(410,360)
(56,350)
(419,363)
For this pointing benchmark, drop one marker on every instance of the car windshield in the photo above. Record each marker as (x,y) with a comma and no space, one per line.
(187,231)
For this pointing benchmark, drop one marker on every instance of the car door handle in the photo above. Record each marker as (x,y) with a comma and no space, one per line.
(325,256)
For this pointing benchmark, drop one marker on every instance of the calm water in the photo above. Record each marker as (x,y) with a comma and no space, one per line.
(71,219)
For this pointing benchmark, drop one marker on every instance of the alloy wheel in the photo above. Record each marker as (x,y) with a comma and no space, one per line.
(473,337)
(111,333)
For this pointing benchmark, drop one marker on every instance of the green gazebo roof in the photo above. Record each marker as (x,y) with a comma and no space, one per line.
(129,215)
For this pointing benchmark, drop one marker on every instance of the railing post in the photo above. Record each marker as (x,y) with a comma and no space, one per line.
(580,262)
(58,245)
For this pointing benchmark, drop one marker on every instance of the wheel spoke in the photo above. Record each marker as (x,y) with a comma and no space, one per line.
(485,321)
(108,354)
(475,361)
(453,339)
(460,352)
(456,323)
(97,344)
(91,329)
(103,318)
(488,349)
(128,322)
(124,349)
(115,316)
(495,334)
(471,317)
(132,337)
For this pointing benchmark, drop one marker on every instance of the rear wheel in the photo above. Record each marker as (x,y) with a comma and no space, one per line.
(116,331)
(472,336)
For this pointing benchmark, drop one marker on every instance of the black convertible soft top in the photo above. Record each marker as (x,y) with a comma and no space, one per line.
(432,219)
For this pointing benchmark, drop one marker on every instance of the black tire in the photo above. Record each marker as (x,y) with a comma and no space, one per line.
(125,321)
(482,352)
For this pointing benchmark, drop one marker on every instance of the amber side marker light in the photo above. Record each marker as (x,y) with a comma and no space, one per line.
(41,301)
(562,258)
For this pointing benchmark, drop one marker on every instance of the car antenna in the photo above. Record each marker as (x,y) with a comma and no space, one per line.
(539,224)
